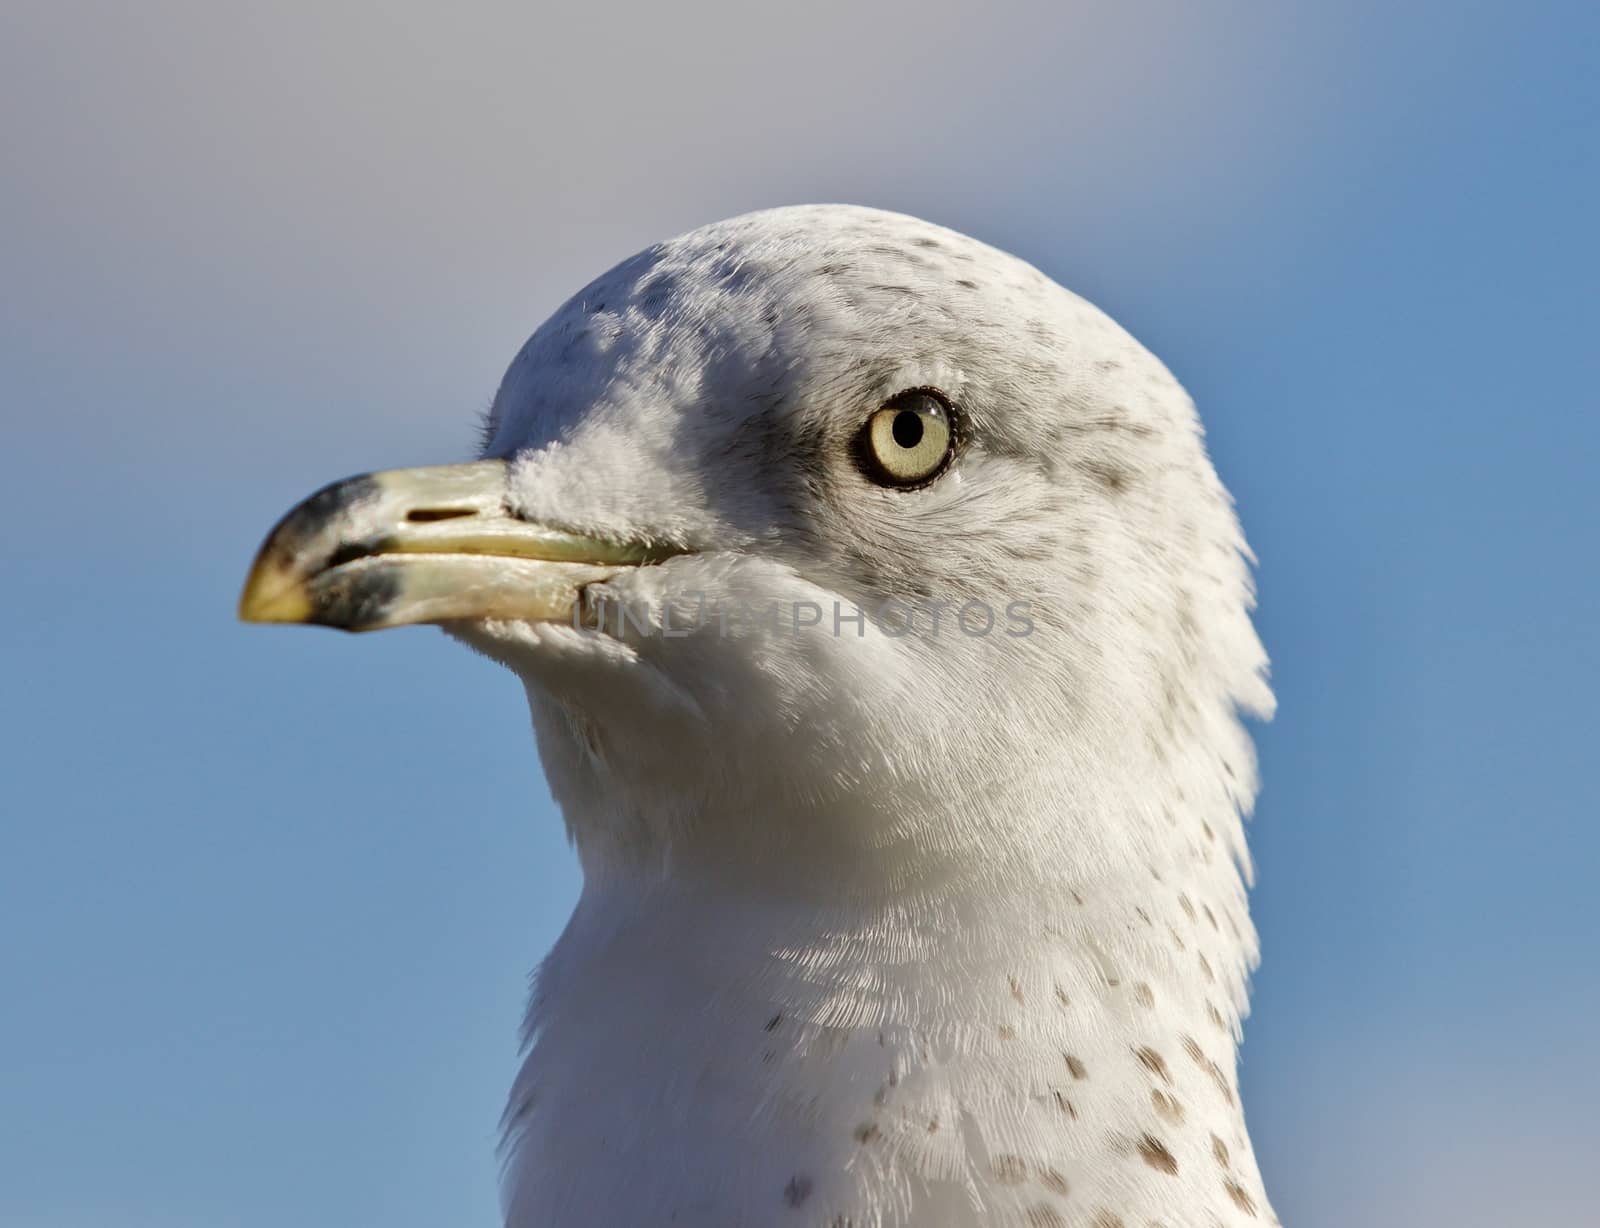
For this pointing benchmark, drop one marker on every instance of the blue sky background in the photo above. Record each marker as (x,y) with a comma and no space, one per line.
(268,897)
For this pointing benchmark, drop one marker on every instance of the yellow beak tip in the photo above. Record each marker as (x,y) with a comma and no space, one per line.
(261,603)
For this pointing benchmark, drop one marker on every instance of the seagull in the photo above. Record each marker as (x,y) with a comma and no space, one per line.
(887,636)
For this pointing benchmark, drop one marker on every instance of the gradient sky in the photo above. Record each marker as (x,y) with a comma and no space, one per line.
(269,897)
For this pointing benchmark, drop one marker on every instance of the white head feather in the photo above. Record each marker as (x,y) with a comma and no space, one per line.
(882,929)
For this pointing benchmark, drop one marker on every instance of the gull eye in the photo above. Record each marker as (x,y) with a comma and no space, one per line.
(909,441)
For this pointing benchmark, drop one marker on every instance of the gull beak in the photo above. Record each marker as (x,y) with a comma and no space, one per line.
(425,546)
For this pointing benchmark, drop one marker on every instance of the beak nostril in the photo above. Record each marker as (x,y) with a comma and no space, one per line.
(425,515)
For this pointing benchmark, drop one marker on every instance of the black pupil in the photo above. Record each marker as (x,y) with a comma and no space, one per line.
(907,428)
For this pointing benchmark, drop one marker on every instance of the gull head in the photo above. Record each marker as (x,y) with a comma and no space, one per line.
(817,535)
(886,631)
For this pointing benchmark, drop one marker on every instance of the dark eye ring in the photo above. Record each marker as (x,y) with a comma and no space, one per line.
(910,440)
